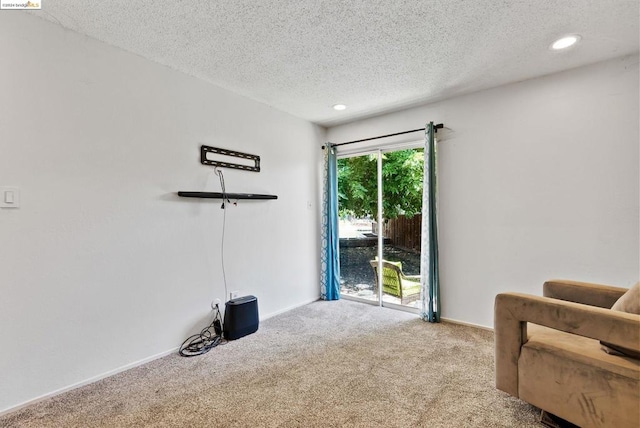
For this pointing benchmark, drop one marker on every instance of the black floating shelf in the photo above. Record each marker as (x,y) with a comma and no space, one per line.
(218,195)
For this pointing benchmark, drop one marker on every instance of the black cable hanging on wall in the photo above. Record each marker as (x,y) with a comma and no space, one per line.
(436,127)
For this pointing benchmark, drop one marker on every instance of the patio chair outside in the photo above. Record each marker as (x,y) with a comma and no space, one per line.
(396,283)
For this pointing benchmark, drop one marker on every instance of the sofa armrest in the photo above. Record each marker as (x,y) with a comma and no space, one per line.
(602,296)
(514,310)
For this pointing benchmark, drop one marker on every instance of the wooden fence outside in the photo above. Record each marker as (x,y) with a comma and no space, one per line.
(404,232)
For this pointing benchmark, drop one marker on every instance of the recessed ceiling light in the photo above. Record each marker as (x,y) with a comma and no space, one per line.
(565,42)
(339,107)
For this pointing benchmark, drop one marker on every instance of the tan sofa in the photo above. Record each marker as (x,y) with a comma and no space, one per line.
(548,353)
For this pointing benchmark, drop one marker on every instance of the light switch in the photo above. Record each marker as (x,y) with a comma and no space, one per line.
(9,197)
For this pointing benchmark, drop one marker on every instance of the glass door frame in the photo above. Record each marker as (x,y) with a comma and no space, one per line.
(379,152)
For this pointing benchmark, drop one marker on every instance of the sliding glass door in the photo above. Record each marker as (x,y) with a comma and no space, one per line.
(357,202)
(398,227)
(402,177)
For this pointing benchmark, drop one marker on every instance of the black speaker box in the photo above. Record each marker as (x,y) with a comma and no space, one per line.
(240,317)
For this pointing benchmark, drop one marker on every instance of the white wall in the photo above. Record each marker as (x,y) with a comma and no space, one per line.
(103,265)
(538,180)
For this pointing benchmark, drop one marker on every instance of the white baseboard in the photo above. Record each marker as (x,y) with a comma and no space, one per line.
(288,308)
(414,311)
(86,382)
(468,324)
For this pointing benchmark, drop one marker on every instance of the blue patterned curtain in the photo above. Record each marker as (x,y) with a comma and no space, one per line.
(330,254)
(430,307)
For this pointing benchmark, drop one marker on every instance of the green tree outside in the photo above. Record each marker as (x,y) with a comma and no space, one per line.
(402,174)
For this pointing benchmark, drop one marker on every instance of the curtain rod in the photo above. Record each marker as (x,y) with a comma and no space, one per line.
(436,127)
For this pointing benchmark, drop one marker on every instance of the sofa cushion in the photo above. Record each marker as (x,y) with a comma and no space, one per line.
(568,375)
(580,349)
(628,302)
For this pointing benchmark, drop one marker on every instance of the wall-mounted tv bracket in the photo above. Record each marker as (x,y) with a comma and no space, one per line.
(221,153)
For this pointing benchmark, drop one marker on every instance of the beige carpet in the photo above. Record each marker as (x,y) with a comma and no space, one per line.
(327,364)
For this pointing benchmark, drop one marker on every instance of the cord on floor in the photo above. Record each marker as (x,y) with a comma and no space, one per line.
(206,340)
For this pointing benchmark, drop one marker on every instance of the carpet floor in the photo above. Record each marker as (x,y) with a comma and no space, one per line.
(326,364)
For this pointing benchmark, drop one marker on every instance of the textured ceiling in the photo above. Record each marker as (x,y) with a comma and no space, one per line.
(372,55)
